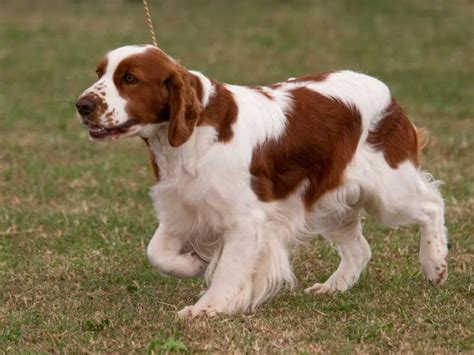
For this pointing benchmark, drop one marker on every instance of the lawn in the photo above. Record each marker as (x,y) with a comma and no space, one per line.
(75,216)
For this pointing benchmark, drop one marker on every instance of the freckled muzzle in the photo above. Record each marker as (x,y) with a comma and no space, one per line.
(91,107)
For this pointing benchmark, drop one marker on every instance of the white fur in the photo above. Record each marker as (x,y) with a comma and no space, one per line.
(208,88)
(212,222)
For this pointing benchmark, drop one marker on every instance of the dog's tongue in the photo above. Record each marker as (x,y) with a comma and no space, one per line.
(97,131)
(95,128)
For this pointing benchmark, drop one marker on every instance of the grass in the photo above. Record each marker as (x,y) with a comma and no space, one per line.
(75,217)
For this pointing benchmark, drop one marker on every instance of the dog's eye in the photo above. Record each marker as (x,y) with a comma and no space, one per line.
(99,73)
(129,79)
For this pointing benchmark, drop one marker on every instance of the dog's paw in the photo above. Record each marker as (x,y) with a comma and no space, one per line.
(335,283)
(437,273)
(320,289)
(190,312)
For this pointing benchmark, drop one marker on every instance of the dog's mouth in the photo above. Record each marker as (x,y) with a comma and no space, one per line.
(125,129)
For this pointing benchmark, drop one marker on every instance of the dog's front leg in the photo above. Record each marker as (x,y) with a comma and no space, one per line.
(231,285)
(165,252)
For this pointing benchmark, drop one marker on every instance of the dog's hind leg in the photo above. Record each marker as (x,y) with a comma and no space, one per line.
(354,252)
(433,243)
(409,196)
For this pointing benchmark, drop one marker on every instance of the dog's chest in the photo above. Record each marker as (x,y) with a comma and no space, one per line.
(192,180)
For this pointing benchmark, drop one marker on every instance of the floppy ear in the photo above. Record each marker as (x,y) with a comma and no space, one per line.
(184,109)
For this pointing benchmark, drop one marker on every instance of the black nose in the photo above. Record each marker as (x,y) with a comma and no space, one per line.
(85,106)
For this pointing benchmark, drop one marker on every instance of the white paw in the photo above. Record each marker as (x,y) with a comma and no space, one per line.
(320,289)
(190,312)
(334,284)
(436,272)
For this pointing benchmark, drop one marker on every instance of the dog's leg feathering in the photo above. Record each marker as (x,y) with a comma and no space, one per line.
(231,285)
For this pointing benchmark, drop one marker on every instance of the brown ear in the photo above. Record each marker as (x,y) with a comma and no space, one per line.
(184,109)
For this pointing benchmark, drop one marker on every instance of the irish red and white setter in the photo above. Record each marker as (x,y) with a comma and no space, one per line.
(245,172)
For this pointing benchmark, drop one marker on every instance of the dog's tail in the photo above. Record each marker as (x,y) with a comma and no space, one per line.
(423,138)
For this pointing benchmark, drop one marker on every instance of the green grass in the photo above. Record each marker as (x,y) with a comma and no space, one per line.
(75,217)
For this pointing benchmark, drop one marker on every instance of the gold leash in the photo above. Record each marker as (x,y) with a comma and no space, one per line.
(149,23)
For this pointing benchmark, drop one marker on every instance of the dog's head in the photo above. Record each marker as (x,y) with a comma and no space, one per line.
(139,86)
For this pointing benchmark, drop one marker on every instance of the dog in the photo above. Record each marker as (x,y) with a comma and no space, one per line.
(243,173)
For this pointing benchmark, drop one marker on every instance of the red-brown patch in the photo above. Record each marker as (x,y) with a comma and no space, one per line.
(101,67)
(320,140)
(396,137)
(262,91)
(308,77)
(195,82)
(311,77)
(275,86)
(221,112)
(153,163)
